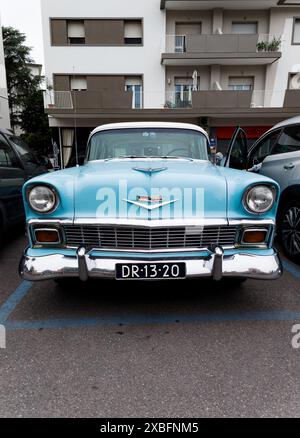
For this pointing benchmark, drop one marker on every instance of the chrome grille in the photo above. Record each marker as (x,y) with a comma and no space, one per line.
(143,238)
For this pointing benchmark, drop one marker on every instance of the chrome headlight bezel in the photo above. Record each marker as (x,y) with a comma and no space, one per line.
(247,194)
(51,190)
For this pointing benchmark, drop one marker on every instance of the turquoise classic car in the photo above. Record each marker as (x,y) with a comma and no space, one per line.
(150,204)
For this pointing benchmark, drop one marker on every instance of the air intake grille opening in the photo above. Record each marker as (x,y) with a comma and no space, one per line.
(142,238)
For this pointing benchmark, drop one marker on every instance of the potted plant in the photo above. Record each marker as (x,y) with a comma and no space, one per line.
(262,46)
(274,45)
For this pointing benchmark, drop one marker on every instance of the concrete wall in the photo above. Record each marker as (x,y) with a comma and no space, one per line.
(4,111)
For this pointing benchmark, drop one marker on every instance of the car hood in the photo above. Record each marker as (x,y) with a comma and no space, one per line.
(101,190)
(195,189)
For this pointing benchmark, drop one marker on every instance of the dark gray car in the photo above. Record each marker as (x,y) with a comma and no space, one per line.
(17,165)
(276,155)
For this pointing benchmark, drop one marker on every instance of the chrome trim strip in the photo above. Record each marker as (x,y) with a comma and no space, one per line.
(153,223)
(249,222)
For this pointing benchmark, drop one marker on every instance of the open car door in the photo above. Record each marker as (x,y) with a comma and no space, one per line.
(236,157)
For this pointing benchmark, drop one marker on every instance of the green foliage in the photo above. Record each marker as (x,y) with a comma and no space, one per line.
(25,96)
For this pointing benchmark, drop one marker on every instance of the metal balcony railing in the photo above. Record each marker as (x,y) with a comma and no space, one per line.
(222,43)
(188,99)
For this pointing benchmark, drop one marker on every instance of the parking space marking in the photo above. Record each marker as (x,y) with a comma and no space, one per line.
(291,268)
(14,299)
(153,319)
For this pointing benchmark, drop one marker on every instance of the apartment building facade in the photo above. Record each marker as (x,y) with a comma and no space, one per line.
(217,63)
(4,108)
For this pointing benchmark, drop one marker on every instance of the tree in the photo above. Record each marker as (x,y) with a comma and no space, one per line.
(25,96)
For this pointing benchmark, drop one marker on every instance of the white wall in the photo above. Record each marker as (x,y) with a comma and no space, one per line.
(4,111)
(145,60)
(278,73)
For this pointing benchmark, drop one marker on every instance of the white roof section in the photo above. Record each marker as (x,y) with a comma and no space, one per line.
(149,125)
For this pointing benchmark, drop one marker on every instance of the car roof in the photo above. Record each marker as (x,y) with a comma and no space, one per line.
(288,122)
(149,125)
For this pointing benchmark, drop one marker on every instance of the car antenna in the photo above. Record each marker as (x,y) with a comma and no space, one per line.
(75,122)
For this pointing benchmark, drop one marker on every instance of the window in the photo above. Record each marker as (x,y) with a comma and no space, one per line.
(135,86)
(7,155)
(294,81)
(264,148)
(245,28)
(27,156)
(148,142)
(182,30)
(241,83)
(296,31)
(76,32)
(78,83)
(133,33)
(183,91)
(289,141)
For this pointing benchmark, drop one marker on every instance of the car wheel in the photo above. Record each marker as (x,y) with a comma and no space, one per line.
(289,230)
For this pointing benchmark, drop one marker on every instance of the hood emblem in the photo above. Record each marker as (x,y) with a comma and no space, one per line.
(149,170)
(150,202)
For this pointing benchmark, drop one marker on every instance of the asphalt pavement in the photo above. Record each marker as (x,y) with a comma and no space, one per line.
(175,349)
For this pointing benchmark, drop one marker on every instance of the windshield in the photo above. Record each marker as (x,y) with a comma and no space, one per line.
(146,143)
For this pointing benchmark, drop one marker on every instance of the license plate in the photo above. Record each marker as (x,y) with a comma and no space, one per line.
(153,271)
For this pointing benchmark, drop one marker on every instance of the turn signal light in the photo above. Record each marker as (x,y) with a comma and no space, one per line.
(47,236)
(254,236)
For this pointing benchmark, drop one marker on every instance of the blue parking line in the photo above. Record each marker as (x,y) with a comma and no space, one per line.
(14,299)
(291,268)
(152,319)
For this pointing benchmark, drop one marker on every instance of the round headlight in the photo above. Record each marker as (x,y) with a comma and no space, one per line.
(260,199)
(42,199)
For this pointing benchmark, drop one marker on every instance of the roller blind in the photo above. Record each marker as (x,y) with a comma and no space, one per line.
(133,29)
(133,81)
(76,29)
(188,28)
(296,38)
(79,83)
(244,28)
(241,81)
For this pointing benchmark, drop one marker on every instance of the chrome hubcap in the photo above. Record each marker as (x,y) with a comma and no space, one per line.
(291,231)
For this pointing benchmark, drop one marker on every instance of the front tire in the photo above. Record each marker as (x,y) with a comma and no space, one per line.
(289,229)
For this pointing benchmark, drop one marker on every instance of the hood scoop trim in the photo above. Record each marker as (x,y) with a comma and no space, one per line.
(149,170)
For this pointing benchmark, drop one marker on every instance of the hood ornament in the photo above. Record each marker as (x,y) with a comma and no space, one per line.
(150,170)
(150,202)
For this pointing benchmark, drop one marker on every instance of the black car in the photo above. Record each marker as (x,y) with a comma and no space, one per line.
(17,165)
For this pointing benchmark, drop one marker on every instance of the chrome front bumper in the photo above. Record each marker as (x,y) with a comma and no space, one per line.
(215,265)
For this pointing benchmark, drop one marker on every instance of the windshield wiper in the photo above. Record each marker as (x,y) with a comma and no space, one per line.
(177,158)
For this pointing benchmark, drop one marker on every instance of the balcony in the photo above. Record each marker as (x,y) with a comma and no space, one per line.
(90,101)
(221,49)
(204,4)
(189,102)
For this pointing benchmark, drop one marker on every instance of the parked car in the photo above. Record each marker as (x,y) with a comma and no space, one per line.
(276,155)
(149,204)
(17,165)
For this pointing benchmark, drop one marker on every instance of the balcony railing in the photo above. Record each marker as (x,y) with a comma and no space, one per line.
(88,100)
(222,43)
(192,99)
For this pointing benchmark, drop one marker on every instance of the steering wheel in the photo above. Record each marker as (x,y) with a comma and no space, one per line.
(176,150)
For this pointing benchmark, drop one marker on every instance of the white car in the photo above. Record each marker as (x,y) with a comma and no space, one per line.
(277,155)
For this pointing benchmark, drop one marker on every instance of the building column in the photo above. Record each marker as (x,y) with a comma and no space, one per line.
(215,77)
(217,21)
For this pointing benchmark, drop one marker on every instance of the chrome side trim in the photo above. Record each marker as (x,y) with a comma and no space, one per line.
(252,222)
